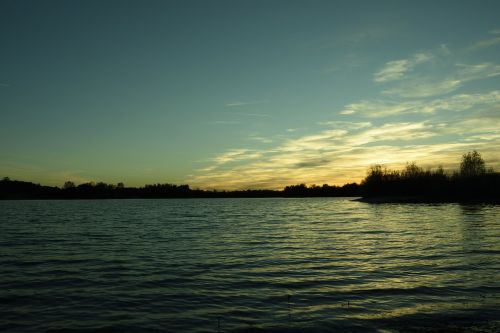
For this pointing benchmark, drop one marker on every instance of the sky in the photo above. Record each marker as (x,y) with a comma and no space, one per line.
(244,94)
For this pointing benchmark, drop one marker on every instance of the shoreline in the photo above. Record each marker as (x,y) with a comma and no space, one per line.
(429,200)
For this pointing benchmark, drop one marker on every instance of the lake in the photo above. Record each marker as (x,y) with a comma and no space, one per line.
(245,265)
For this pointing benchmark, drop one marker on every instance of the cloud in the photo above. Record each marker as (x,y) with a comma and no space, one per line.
(424,87)
(240,103)
(338,156)
(246,114)
(438,74)
(393,70)
(460,102)
(471,127)
(322,140)
(418,116)
(5,85)
(260,139)
(379,108)
(428,86)
(224,122)
(312,163)
(479,71)
(485,43)
(333,168)
(345,124)
(233,155)
(397,69)
(282,165)
(393,131)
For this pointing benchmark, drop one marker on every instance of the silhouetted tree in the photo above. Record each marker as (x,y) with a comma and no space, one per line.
(69,184)
(412,170)
(472,165)
(472,183)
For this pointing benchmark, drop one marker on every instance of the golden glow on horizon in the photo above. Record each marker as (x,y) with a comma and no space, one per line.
(338,160)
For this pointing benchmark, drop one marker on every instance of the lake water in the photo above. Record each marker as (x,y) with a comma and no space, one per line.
(244,265)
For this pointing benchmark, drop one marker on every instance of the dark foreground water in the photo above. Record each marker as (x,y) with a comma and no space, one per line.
(224,265)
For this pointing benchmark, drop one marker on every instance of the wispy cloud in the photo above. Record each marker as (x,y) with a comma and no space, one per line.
(485,43)
(260,139)
(233,155)
(397,69)
(347,165)
(478,71)
(438,73)
(393,70)
(342,152)
(249,114)
(384,108)
(424,87)
(322,140)
(245,103)
(379,108)
(5,85)
(428,86)
(345,124)
(418,116)
(223,122)
(463,102)
(391,132)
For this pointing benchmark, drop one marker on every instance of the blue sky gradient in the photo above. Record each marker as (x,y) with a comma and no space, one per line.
(244,94)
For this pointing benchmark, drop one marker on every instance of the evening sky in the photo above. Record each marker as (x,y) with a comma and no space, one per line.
(244,94)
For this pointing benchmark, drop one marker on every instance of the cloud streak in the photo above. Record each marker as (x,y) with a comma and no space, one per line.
(245,103)
(418,116)
(236,155)
(337,156)
(428,86)
(246,114)
(486,43)
(385,108)
(223,122)
(340,156)
(397,69)
(437,74)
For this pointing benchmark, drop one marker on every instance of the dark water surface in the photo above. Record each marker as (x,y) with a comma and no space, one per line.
(224,265)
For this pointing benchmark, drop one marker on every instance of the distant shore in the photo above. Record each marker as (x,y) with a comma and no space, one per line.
(429,200)
(473,183)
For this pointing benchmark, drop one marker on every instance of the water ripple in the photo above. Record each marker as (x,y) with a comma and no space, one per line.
(246,265)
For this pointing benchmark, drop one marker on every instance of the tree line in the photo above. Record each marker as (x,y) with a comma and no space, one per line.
(14,189)
(473,180)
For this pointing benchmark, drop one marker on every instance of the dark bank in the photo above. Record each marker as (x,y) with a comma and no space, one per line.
(474,182)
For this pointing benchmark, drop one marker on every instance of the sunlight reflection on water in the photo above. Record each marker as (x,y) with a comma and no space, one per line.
(315,264)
